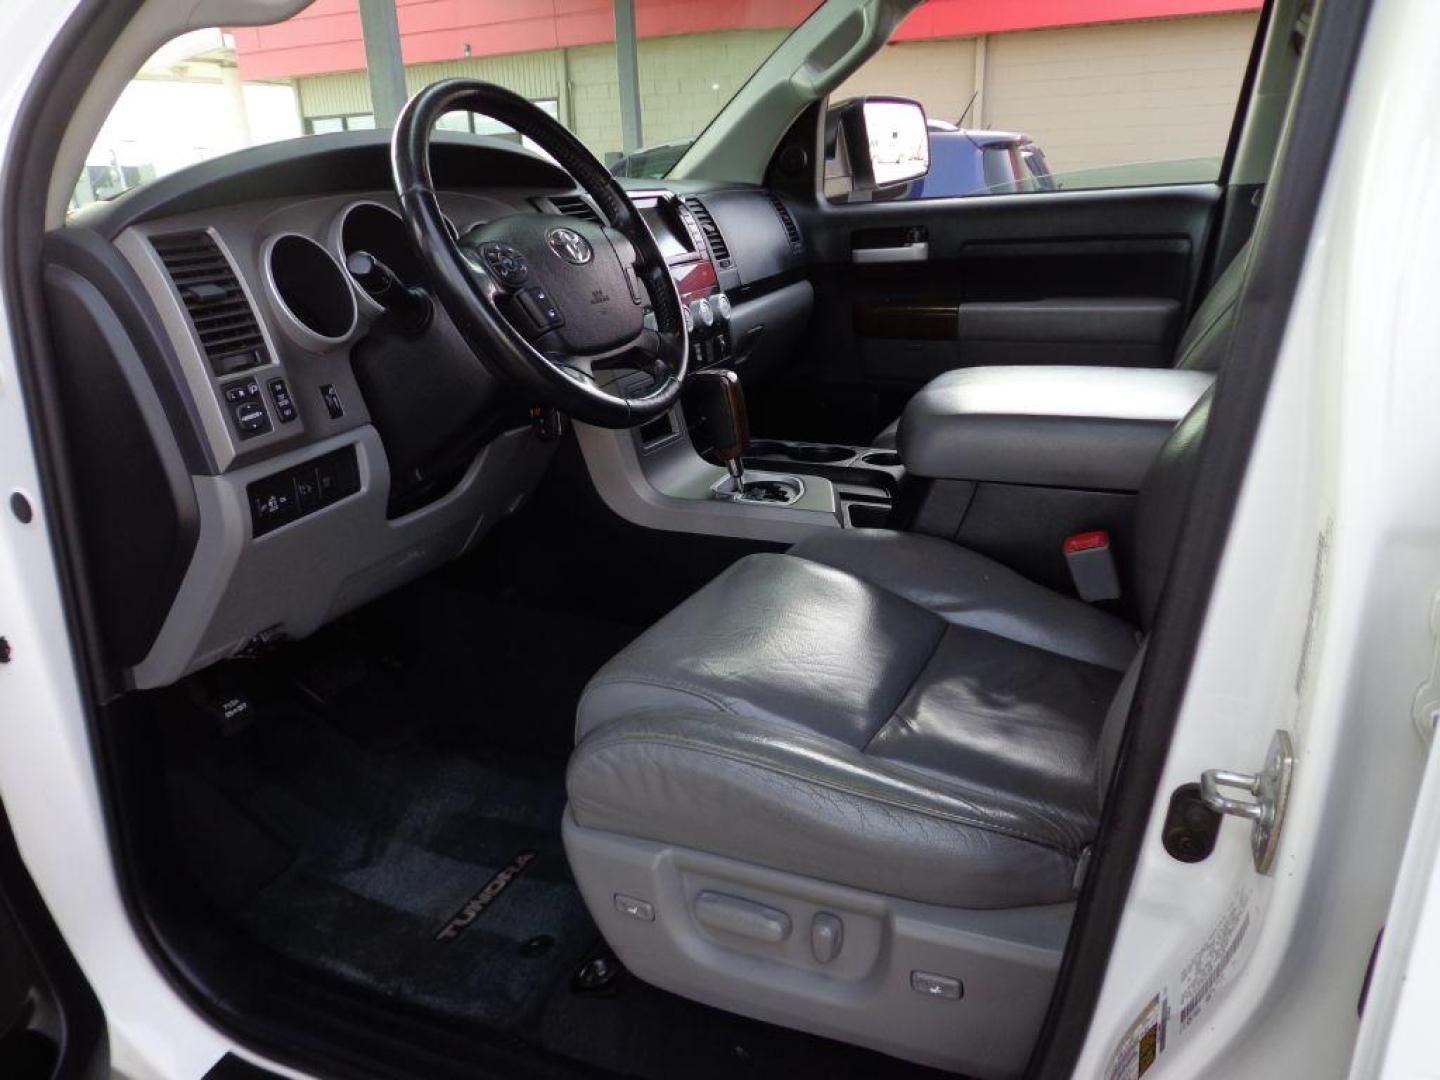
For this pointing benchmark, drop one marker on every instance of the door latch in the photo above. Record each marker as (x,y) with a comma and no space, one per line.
(1270,790)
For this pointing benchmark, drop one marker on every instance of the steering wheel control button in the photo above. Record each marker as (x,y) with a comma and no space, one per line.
(331,398)
(539,309)
(936,986)
(284,404)
(506,263)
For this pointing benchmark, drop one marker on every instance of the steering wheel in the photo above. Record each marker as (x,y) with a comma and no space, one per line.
(554,304)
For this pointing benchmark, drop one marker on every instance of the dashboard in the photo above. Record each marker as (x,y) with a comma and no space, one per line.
(257,450)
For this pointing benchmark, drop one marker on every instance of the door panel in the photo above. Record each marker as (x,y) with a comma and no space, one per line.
(907,290)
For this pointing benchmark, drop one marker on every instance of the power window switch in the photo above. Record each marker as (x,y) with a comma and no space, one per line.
(629,906)
(936,986)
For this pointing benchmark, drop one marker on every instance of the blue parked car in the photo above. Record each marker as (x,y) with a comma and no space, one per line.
(962,162)
(966,162)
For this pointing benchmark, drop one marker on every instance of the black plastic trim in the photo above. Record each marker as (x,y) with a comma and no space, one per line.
(95,259)
(1282,245)
(140,522)
(231,1067)
(319,165)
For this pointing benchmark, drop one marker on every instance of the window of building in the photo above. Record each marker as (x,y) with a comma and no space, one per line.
(326,125)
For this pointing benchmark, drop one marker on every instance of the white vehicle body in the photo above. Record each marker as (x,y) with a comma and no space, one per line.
(1324,622)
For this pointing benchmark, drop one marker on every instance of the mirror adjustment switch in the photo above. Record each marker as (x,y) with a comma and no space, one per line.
(251,418)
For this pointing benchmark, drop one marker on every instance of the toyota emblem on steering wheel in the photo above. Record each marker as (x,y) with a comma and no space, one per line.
(570,246)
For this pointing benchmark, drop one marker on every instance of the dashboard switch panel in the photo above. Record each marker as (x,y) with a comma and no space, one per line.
(287,496)
(248,411)
(284,404)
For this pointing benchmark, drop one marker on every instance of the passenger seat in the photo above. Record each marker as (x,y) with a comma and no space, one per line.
(1200,346)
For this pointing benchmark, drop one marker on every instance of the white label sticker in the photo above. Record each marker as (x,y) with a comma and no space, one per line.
(1206,970)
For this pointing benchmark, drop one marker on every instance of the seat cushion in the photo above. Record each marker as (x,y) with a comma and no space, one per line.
(875,709)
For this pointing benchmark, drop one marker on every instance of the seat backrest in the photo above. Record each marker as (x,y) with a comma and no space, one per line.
(1158,517)
(1161,505)
(1160,509)
(1202,346)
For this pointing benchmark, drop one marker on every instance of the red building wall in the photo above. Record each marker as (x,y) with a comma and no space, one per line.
(326,36)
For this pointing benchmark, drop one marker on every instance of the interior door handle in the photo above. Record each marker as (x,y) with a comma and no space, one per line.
(916,252)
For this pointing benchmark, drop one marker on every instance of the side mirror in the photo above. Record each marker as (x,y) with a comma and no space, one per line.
(884,140)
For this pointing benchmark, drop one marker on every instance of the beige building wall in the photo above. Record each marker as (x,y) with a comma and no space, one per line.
(1089,95)
(1119,93)
(684,81)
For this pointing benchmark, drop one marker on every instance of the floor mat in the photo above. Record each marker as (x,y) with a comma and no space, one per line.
(391,817)
(430,876)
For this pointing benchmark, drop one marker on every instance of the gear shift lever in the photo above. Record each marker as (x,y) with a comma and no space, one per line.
(718,402)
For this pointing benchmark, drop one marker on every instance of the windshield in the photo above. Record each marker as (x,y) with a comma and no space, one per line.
(212,92)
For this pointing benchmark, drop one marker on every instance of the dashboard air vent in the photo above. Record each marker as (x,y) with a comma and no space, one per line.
(792,231)
(718,247)
(218,308)
(576,207)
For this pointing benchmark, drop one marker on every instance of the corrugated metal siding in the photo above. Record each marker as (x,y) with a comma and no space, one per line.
(1091,96)
(1104,95)
(938,74)
(535,75)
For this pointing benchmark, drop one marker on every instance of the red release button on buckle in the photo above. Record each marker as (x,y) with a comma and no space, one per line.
(1086,541)
(1092,568)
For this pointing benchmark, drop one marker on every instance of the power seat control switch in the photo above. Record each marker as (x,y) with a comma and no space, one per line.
(827,934)
(931,985)
(633,908)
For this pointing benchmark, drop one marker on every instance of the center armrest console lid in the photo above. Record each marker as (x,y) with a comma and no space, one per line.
(1074,427)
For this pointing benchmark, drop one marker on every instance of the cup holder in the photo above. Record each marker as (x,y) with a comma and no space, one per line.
(814,453)
(887,458)
(768,448)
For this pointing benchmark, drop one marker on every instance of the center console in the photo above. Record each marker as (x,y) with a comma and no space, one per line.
(694,469)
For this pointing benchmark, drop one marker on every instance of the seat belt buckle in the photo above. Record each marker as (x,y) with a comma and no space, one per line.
(1092,566)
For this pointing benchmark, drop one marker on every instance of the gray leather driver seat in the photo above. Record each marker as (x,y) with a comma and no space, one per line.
(880,727)
(1200,348)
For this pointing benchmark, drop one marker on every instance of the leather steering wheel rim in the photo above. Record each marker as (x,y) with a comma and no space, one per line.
(472,295)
